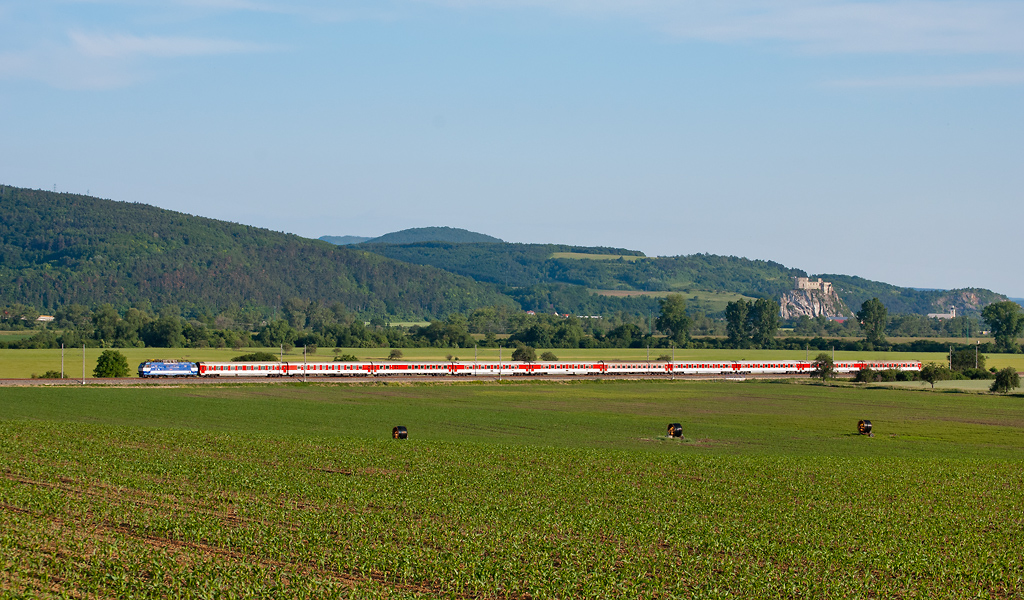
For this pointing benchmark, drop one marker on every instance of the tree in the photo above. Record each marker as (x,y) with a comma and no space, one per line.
(396,354)
(736,323)
(963,360)
(548,356)
(932,372)
(824,367)
(674,320)
(1007,322)
(1006,380)
(873,317)
(764,322)
(111,364)
(524,353)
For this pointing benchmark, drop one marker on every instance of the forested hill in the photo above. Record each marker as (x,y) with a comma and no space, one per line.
(855,290)
(538,275)
(57,249)
(416,235)
(524,265)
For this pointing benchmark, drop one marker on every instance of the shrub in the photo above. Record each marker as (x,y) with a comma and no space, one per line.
(111,364)
(396,354)
(346,358)
(664,358)
(548,356)
(890,375)
(51,374)
(866,375)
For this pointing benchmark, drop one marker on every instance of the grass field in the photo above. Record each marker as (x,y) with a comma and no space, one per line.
(23,363)
(510,491)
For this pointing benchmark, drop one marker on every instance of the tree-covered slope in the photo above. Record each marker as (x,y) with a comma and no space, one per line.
(541,273)
(856,290)
(435,234)
(524,265)
(57,249)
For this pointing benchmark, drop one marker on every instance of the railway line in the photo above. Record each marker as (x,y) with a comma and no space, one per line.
(193,381)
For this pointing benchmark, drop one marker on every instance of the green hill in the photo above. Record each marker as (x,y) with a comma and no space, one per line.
(57,249)
(435,234)
(546,276)
(343,240)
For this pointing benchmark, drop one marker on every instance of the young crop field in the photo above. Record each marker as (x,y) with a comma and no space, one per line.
(510,491)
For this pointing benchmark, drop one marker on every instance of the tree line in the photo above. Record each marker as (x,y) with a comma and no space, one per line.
(747,324)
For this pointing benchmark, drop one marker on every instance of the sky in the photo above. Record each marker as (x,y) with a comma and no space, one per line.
(879,138)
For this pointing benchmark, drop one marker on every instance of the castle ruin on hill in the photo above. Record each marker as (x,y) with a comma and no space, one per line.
(812,299)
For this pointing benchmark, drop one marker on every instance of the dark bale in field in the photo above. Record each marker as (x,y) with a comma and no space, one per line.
(399,433)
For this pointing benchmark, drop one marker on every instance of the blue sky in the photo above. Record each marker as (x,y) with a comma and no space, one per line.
(879,138)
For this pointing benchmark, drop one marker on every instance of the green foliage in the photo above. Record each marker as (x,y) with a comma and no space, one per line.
(395,354)
(1007,322)
(965,358)
(548,356)
(65,248)
(1006,380)
(932,373)
(873,317)
(867,375)
(434,234)
(738,323)
(524,353)
(346,358)
(257,357)
(750,323)
(674,320)
(824,367)
(51,374)
(111,363)
(764,322)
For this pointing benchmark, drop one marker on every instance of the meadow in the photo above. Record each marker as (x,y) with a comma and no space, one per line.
(524,490)
(24,363)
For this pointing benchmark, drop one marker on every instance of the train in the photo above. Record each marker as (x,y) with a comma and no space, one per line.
(157,368)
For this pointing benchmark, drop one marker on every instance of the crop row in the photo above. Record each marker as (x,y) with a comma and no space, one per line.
(98,511)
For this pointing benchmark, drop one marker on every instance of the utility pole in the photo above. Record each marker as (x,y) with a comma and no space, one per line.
(303,363)
(83,363)
(62,361)
(499,361)
(976,354)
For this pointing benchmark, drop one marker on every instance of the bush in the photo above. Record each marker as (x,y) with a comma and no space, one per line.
(547,356)
(664,358)
(977,374)
(257,357)
(111,364)
(1006,380)
(51,374)
(890,375)
(866,375)
(346,358)
(396,354)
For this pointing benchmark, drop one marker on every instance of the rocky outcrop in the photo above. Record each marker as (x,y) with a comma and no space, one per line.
(964,301)
(812,303)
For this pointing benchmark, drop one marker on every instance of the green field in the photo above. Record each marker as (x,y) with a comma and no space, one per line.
(16,364)
(510,491)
